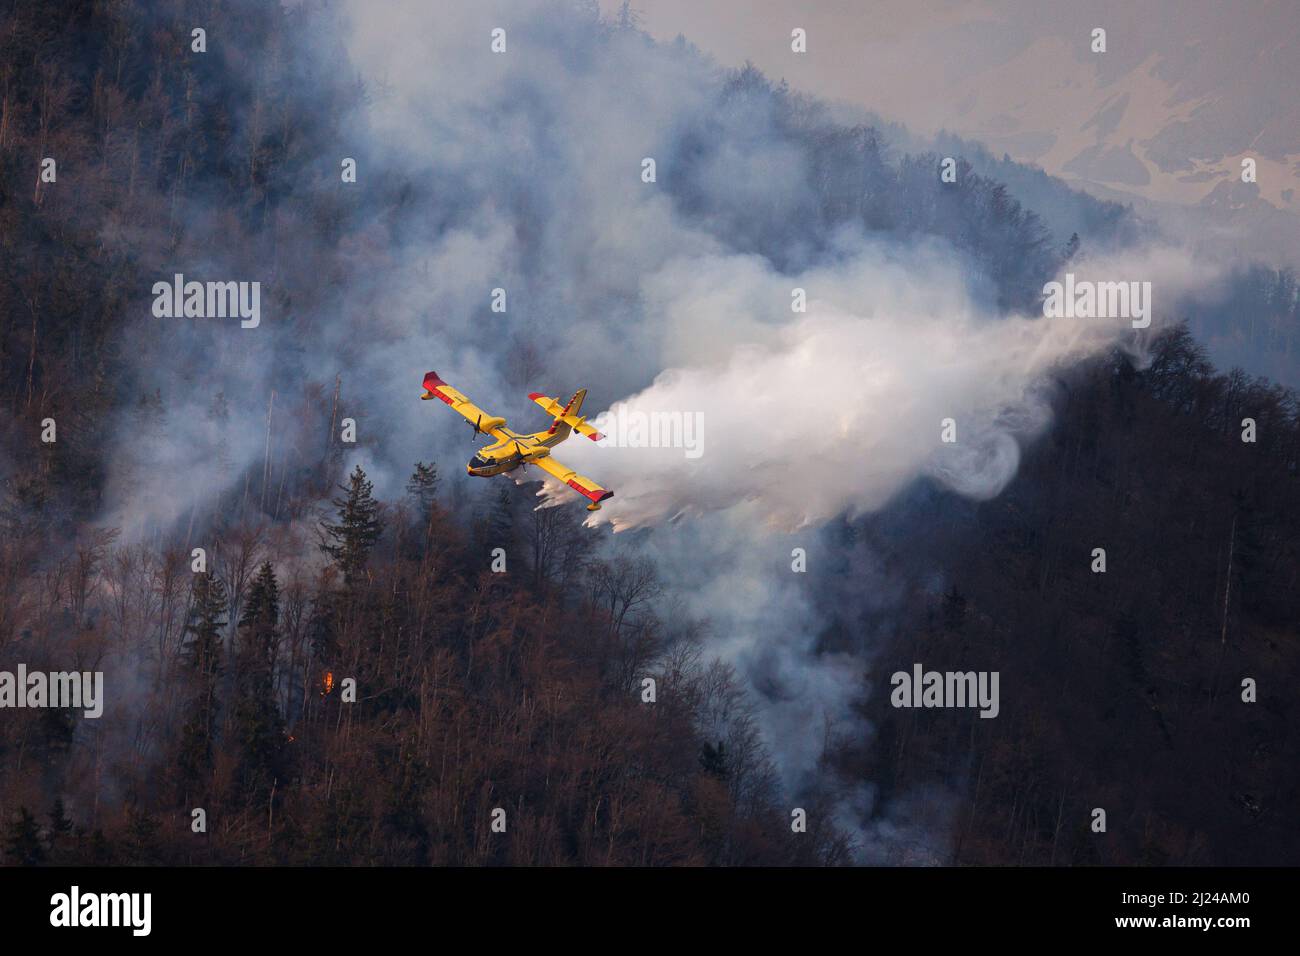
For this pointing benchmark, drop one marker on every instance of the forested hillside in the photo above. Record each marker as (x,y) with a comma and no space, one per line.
(1122,690)
(475,691)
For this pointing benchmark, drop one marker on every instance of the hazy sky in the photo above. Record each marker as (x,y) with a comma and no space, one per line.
(1184,91)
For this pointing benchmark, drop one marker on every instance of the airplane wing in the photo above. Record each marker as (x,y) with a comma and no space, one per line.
(434,387)
(568,413)
(579,483)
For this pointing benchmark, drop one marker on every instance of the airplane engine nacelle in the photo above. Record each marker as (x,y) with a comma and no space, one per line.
(487,424)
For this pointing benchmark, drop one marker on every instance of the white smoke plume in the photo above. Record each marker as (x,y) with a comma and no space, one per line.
(836,410)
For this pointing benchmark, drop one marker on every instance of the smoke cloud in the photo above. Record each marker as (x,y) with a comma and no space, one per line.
(836,410)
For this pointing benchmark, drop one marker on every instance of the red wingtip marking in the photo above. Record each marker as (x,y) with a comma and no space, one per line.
(535,395)
(431,382)
(596,436)
(596,496)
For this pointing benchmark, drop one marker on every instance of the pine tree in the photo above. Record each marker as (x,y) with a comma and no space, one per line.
(61,831)
(201,648)
(259,727)
(423,489)
(143,845)
(321,627)
(201,658)
(350,541)
(1071,247)
(23,840)
(60,823)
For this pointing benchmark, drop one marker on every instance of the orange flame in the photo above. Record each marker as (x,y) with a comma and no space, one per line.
(328,683)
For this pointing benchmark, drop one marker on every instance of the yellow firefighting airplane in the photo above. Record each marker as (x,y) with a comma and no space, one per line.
(511,449)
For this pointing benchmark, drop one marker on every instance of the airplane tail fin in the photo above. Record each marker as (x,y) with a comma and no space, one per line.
(566,416)
(575,404)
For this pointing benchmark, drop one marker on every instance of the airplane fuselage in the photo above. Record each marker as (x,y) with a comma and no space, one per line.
(508,454)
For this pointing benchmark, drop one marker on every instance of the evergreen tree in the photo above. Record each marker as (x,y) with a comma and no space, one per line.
(60,823)
(143,845)
(423,489)
(259,727)
(23,840)
(61,832)
(201,658)
(321,627)
(201,647)
(1071,247)
(350,541)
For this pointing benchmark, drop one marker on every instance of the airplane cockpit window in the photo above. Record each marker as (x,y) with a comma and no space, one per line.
(478,461)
